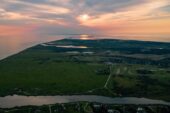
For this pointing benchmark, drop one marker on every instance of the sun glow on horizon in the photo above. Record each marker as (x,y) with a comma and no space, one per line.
(143,17)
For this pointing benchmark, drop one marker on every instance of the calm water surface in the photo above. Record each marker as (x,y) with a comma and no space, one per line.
(13,101)
(9,45)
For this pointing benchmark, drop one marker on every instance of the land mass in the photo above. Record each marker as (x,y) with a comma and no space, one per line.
(115,68)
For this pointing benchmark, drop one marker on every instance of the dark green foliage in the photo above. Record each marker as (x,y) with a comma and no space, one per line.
(51,70)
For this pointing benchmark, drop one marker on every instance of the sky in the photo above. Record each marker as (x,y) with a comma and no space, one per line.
(114,17)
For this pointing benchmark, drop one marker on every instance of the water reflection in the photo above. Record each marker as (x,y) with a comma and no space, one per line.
(12,101)
(12,45)
(86,37)
(72,46)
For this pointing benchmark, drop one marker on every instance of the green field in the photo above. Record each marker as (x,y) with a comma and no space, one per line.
(130,82)
(104,67)
(32,73)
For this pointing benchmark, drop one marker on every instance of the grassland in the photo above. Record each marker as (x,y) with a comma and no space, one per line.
(50,70)
(130,82)
(41,73)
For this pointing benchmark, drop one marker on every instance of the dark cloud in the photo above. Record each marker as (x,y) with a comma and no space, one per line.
(77,6)
(52,30)
(103,6)
(166,8)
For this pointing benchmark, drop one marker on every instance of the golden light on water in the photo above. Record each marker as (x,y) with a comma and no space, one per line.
(84,37)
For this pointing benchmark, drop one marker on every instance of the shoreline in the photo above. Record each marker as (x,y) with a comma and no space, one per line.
(108,38)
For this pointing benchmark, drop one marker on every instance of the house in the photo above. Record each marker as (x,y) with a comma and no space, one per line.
(108,63)
(72,52)
(108,52)
(110,111)
(140,110)
(87,53)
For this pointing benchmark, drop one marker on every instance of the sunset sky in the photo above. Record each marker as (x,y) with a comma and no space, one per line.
(115,17)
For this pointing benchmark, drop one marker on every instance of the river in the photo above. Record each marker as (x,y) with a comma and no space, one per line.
(16,100)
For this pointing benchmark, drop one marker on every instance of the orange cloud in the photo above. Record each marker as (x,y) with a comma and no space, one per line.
(43,7)
(29,19)
(144,18)
(33,13)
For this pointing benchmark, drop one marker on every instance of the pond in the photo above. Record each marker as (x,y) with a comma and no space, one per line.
(72,46)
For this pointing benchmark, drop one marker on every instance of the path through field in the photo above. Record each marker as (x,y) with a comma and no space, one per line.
(117,73)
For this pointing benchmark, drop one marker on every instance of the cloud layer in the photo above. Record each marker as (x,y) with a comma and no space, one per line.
(51,17)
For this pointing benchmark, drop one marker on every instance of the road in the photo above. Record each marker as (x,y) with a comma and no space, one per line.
(117,73)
